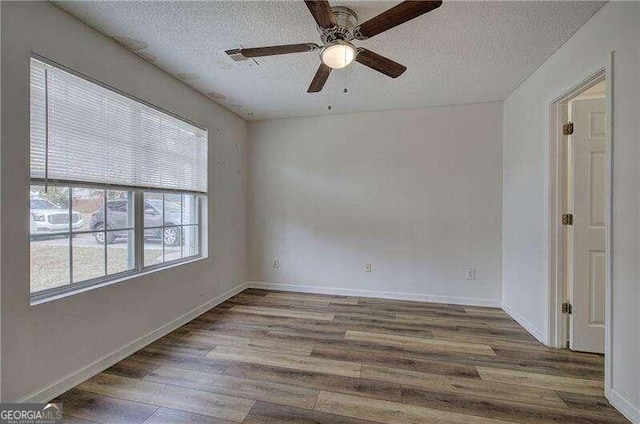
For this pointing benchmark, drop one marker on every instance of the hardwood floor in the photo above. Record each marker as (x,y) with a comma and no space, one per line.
(271,357)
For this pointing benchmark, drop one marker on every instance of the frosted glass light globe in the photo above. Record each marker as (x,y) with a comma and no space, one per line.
(338,55)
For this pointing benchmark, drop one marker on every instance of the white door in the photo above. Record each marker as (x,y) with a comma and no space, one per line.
(587,288)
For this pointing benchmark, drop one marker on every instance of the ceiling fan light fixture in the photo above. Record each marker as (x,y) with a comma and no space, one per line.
(338,54)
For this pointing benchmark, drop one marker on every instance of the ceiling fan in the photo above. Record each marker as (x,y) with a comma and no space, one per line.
(338,26)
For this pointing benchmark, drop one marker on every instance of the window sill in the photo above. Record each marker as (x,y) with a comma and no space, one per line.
(38,299)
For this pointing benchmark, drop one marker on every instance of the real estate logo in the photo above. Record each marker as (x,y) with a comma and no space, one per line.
(30,413)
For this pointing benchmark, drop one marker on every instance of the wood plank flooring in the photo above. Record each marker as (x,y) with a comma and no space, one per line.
(271,357)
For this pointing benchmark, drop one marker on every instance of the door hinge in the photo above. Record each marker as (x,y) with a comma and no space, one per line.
(567,308)
(567,129)
(567,219)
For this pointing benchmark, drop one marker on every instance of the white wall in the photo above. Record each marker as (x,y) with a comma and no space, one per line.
(416,193)
(616,27)
(45,343)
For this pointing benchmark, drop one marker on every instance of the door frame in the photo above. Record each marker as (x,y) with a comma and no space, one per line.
(557,234)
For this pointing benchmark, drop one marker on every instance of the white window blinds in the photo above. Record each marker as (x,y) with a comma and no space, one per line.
(84,132)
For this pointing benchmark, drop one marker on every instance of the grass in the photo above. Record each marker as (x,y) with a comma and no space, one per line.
(50,260)
(50,264)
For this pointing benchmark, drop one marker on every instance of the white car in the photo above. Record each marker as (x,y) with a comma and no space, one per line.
(49,218)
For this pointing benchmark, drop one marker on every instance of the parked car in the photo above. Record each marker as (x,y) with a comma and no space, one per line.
(117,217)
(47,218)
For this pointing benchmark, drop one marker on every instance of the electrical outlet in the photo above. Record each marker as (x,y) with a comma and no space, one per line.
(470,274)
(367,268)
(276,263)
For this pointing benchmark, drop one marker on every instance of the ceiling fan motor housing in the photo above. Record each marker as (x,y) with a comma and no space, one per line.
(346,20)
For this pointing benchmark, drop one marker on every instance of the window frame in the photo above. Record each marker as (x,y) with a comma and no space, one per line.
(138,229)
(182,226)
(139,269)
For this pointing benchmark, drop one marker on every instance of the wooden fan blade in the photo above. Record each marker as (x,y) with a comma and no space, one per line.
(322,13)
(276,50)
(395,16)
(380,63)
(319,79)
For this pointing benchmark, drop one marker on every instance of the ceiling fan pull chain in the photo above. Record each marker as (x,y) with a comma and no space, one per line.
(345,74)
(345,90)
(329,91)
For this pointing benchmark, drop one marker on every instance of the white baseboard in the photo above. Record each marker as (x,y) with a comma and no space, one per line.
(624,406)
(50,392)
(466,301)
(533,329)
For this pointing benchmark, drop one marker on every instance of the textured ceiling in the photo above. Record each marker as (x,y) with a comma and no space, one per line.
(463,52)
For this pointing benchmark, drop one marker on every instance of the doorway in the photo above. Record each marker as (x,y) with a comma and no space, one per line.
(585,174)
(580,215)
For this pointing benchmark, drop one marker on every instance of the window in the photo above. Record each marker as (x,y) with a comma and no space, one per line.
(117,186)
(172,219)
